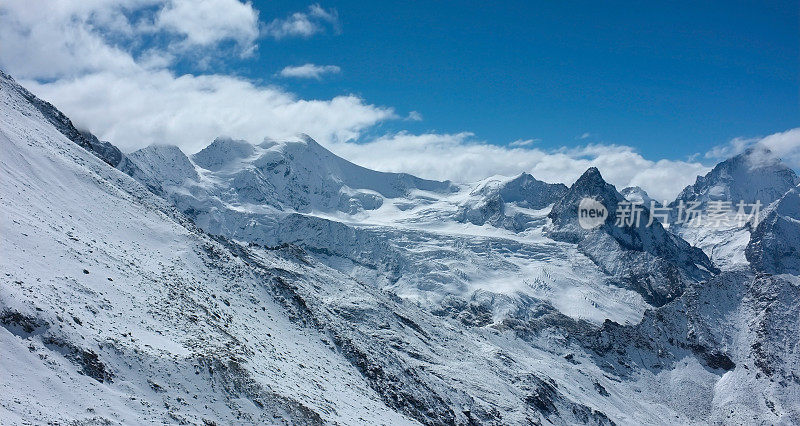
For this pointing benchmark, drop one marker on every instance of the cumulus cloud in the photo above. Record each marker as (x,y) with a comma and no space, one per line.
(304,24)
(190,111)
(208,22)
(78,37)
(84,56)
(785,145)
(65,41)
(462,157)
(733,147)
(309,71)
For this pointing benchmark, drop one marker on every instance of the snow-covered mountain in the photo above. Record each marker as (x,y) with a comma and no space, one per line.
(279,283)
(302,176)
(638,195)
(643,256)
(508,202)
(754,176)
(116,309)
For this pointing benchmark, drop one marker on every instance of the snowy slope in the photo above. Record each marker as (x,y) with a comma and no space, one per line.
(755,174)
(774,247)
(145,319)
(331,293)
(302,176)
(726,351)
(508,202)
(114,308)
(638,195)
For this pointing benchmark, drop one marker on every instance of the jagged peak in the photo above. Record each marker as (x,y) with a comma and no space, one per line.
(591,181)
(591,174)
(636,194)
(524,176)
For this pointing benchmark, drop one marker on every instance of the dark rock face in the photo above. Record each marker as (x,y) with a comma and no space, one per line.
(647,259)
(774,343)
(690,325)
(527,191)
(774,246)
(86,360)
(101,149)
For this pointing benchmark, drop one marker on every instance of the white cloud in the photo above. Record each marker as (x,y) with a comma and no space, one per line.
(309,71)
(304,24)
(463,158)
(733,147)
(190,111)
(82,36)
(785,145)
(586,135)
(65,41)
(86,51)
(208,22)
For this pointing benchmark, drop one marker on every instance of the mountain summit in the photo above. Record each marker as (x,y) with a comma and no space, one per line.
(754,175)
(641,254)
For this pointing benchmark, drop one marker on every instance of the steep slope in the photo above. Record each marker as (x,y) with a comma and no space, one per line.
(159,166)
(774,246)
(115,309)
(755,175)
(301,175)
(726,350)
(642,256)
(103,150)
(411,244)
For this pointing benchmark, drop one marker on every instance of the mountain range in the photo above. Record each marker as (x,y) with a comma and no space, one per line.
(279,283)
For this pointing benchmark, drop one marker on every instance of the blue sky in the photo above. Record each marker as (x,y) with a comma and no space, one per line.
(652,94)
(670,78)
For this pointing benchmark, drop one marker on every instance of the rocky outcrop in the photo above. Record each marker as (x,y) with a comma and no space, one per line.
(642,256)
